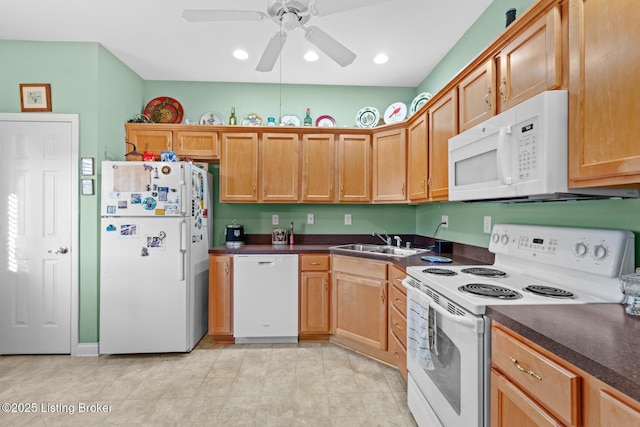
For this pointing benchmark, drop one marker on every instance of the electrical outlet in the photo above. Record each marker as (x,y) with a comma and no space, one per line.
(445,221)
(487,224)
(347,219)
(275,220)
(310,219)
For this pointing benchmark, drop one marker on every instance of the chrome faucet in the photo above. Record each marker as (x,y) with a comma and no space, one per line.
(398,240)
(386,239)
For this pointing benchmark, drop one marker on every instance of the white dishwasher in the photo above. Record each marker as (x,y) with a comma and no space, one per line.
(265,298)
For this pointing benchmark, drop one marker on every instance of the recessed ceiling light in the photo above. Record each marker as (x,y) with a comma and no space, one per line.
(380,58)
(240,54)
(311,56)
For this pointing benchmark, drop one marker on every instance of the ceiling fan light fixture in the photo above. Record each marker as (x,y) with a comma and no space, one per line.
(381,58)
(290,20)
(311,56)
(240,54)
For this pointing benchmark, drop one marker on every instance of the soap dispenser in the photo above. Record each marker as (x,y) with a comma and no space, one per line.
(291,239)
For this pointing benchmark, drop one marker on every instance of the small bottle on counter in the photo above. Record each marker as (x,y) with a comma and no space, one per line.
(291,239)
(232,118)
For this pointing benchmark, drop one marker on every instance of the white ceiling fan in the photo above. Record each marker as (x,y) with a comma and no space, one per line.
(289,15)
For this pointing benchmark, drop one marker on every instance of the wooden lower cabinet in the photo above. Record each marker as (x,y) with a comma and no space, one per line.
(398,319)
(221,298)
(314,297)
(532,387)
(359,301)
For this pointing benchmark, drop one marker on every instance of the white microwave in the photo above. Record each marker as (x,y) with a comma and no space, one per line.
(519,155)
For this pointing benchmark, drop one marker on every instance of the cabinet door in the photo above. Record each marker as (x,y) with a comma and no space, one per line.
(443,124)
(279,166)
(614,412)
(239,167)
(532,62)
(318,168)
(360,310)
(314,302)
(510,406)
(418,158)
(201,145)
(354,160)
(151,140)
(389,173)
(477,95)
(220,295)
(604,94)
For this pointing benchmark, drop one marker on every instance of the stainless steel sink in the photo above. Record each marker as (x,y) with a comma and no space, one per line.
(383,250)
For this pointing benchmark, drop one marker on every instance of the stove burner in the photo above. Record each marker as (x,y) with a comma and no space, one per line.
(484,272)
(440,271)
(490,291)
(548,291)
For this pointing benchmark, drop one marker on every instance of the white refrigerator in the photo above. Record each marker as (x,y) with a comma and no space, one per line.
(154,264)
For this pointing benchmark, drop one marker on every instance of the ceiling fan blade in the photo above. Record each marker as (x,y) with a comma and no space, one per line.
(272,51)
(201,15)
(328,7)
(330,46)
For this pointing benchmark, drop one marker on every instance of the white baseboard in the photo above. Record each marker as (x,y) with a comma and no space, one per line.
(86,350)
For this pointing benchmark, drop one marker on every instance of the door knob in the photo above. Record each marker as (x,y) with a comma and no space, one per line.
(60,250)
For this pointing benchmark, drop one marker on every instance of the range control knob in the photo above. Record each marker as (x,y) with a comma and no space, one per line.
(504,239)
(600,252)
(495,237)
(580,249)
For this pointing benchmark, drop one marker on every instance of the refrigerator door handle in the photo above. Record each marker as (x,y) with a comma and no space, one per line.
(183,249)
(183,191)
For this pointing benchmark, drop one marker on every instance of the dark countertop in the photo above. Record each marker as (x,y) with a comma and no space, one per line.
(600,339)
(402,262)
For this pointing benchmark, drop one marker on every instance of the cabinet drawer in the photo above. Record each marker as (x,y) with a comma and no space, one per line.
(398,354)
(398,325)
(360,267)
(314,262)
(398,299)
(555,387)
(396,275)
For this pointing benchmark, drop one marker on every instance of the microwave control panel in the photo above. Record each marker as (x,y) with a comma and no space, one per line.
(527,140)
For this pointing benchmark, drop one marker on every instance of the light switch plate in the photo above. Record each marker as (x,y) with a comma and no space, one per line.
(347,219)
(275,220)
(310,218)
(487,224)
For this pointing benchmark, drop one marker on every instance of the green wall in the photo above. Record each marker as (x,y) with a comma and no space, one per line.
(88,80)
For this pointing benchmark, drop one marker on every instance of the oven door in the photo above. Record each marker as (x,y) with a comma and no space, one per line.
(456,388)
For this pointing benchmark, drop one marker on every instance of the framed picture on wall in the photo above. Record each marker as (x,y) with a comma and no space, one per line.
(35,97)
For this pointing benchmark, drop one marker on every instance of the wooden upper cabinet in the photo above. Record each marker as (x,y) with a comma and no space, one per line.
(418,158)
(318,168)
(532,62)
(199,145)
(443,124)
(279,167)
(150,139)
(239,167)
(604,93)
(354,176)
(390,166)
(477,95)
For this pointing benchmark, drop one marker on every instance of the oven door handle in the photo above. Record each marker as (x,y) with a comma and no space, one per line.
(466,321)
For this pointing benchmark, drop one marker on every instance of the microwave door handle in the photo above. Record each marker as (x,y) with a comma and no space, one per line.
(504,169)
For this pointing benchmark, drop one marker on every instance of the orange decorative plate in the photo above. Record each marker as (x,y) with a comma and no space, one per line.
(164,110)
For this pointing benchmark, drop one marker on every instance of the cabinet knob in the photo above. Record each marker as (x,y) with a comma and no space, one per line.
(503,89)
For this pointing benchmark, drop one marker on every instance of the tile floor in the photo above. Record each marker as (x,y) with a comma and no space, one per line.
(314,384)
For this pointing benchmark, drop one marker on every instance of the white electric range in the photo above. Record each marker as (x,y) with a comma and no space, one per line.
(533,265)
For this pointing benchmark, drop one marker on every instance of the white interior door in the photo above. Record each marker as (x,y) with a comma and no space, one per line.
(38,213)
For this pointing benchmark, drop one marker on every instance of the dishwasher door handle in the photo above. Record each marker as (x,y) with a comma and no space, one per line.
(265,262)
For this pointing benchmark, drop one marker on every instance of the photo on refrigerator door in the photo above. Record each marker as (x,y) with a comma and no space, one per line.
(128,231)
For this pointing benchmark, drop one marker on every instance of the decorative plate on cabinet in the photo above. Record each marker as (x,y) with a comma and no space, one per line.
(290,120)
(251,120)
(367,117)
(395,113)
(419,101)
(325,121)
(212,118)
(164,110)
